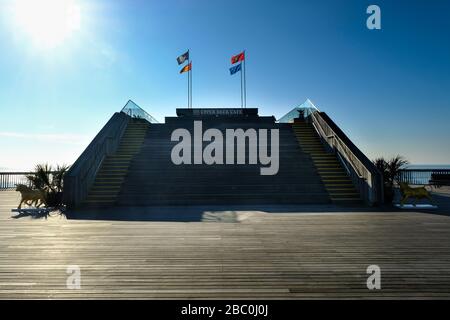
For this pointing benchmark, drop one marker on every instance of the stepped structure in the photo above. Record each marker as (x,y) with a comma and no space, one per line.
(130,162)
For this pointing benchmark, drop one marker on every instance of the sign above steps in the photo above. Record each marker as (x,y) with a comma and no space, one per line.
(216,112)
(221,115)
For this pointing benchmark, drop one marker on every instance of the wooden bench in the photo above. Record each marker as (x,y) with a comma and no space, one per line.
(440,179)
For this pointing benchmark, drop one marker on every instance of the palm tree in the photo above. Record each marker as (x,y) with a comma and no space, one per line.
(50,181)
(395,164)
(390,170)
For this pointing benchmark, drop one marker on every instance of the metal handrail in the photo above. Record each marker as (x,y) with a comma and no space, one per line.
(322,133)
(345,165)
(366,178)
(340,146)
(81,174)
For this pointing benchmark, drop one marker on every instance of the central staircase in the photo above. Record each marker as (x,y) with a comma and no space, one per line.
(152,178)
(141,172)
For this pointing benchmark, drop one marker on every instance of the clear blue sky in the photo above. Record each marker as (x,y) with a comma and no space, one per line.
(388,89)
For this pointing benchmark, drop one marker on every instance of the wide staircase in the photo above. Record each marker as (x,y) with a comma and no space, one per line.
(141,171)
(150,178)
(336,181)
(114,168)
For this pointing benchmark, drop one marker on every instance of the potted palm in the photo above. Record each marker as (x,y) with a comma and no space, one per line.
(50,181)
(390,170)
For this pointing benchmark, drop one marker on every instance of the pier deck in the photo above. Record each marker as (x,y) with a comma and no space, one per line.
(233,254)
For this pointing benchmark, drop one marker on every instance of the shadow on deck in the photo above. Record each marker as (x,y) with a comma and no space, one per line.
(211,213)
(222,213)
(235,213)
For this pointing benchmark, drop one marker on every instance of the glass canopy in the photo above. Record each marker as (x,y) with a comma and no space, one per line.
(307,107)
(134,111)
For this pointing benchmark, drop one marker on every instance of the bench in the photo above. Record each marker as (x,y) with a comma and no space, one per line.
(440,179)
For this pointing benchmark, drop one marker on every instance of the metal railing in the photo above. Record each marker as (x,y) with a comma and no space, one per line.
(81,174)
(134,111)
(421,176)
(9,180)
(365,176)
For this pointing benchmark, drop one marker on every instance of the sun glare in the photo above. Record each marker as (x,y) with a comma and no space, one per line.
(47,22)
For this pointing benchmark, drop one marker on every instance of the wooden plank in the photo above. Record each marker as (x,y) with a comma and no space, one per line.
(253,254)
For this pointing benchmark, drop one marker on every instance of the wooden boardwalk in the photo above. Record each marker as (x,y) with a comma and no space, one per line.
(251,255)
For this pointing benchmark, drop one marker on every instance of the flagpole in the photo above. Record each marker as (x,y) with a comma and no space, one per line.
(189,85)
(242,95)
(190,81)
(190,75)
(245,82)
(188,99)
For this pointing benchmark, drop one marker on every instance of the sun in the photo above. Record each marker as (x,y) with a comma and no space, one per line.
(47,22)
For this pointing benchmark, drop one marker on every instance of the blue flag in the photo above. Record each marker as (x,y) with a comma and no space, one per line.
(235,69)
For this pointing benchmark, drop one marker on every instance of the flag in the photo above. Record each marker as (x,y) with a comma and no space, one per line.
(181,59)
(238,57)
(235,69)
(186,68)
